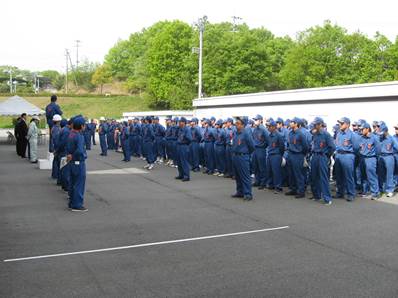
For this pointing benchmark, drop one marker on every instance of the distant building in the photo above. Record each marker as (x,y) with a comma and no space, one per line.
(376,101)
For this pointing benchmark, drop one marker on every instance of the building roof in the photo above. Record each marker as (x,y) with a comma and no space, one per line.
(336,93)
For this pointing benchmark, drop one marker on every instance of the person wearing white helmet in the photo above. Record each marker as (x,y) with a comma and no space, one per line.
(32,136)
(55,133)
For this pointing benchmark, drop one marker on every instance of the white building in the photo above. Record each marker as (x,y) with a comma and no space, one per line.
(376,101)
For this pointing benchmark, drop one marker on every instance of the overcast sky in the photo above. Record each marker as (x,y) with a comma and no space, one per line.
(35,33)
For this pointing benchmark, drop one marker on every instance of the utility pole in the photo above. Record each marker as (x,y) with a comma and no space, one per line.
(71,65)
(201,25)
(66,74)
(235,21)
(77,53)
(10,71)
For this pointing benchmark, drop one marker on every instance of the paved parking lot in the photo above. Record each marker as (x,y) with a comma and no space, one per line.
(343,250)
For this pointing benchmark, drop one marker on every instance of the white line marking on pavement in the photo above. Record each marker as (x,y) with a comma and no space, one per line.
(144,245)
(122,171)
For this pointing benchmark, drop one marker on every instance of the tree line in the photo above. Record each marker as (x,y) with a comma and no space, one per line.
(159,63)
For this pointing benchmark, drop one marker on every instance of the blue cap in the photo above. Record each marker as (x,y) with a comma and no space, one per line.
(176,119)
(258,117)
(383,128)
(78,120)
(251,121)
(156,118)
(336,127)
(219,122)
(230,120)
(318,120)
(296,120)
(271,122)
(279,120)
(208,121)
(375,123)
(287,122)
(148,118)
(183,119)
(365,125)
(344,120)
(243,119)
(213,118)
(64,122)
(194,119)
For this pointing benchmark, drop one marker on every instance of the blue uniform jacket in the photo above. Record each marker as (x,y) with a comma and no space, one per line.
(276,143)
(209,135)
(220,137)
(298,142)
(388,144)
(369,146)
(51,110)
(323,143)
(184,136)
(260,137)
(196,134)
(242,142)
(347,141)
(148,135)
(63,139)
(75,146)
(55,133)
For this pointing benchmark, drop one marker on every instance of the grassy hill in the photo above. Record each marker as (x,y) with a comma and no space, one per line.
(91,107)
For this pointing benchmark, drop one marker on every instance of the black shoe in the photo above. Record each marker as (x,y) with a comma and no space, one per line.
(34,161)
(185,179)
(256,184)
(81,209)
(178,178)
(291,193)
(299,196)
(277,191)
(261,187)
(248,198)
(237,195)
(227,176)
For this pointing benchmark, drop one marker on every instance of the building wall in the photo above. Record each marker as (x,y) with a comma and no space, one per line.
(385,109)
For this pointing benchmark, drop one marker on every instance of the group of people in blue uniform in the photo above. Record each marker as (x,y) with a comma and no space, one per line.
(266,153)
(68,145)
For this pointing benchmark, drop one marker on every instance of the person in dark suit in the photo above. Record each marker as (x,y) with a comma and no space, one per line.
(20,131)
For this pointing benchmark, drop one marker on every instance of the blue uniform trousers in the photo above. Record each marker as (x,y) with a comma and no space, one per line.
(194,155)
(386,166)
(93,138)
(320,177)
(241,166)
(87,140)
(296,172)
(396,170)
(103,144)
(209,156)
(77,185)
(126,149)
(260,166)
(182,160)
(219,151)
(149,152)
(274,171)
(369,171)
(55,166)
(202,159)
(228,161)
(344,170)
(160,150)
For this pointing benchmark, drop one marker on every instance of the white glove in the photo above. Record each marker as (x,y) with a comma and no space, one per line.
(283,164)
(305,164)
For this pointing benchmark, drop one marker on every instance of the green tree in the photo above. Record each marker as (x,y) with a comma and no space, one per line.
(101,76)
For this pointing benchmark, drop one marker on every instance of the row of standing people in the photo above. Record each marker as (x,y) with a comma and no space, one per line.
(275,153)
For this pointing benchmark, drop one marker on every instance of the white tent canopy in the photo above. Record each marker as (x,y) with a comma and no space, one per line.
(16,105)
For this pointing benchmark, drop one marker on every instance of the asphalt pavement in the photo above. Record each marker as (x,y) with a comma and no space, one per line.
(342,250)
